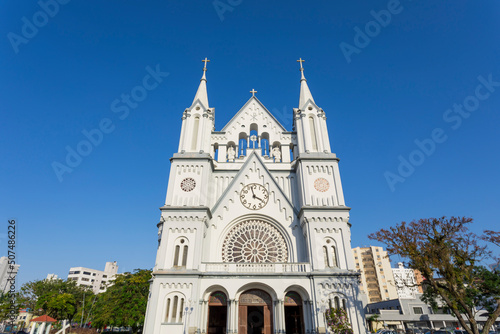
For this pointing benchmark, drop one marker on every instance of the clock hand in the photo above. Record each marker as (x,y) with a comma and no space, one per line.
(251,188)
(260,199)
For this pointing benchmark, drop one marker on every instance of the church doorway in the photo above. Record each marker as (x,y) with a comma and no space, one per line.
(217,313)
(294,319)
(255,313)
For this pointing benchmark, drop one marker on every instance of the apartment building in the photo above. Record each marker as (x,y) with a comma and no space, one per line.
(98,280)
(377,280)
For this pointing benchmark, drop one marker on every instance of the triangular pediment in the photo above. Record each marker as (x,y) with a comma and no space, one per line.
(255,171)
(310,103)
(253,112)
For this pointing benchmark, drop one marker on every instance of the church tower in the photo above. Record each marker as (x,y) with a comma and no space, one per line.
(254,236)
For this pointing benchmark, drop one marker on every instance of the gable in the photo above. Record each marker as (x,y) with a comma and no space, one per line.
(253,112)
(254,171)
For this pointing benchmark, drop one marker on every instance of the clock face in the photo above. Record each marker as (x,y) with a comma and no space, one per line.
(254,196)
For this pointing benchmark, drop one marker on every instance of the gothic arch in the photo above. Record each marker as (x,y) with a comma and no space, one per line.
(283,232)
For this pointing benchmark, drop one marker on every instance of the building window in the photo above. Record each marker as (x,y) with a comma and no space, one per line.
(418,310)
(105,276)
(194,140)
(86,273)
(180,252)
(176,255)
(313,134)
(175,305)
(184,255)
(337,302)
(325,255)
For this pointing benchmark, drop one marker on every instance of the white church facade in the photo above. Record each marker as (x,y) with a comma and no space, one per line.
(254,236)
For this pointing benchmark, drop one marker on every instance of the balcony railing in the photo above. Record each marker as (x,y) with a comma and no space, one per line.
(256,267)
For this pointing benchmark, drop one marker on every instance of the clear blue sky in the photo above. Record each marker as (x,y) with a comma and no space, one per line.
(395,90)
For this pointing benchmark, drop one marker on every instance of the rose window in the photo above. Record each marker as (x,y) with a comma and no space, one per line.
(254,241)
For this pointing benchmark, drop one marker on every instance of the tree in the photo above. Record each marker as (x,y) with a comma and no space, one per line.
(124,303)
(374,318)
(448,255)
(60,299)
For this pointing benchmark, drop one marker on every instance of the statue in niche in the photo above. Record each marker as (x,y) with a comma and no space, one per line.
(231,153)
(276,154)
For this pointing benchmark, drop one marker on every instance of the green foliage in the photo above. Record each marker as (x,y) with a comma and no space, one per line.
(448,256)
(59,299)
(124,303)
(337,321)
(5,306)
(374,318)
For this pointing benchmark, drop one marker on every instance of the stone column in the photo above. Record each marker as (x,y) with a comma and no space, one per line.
(276,316)
(282,312)
(222,155)
(307,320)
(235,316)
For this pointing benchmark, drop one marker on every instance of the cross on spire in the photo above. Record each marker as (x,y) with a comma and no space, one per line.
(301,61)
(205,61)
(253,91)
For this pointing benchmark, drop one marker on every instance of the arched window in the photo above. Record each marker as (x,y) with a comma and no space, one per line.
(334,257)
(325,256)
(330,254)
(254,136)
(174,308)
(313,134)
(242,144)
(254,139)
(264,144)
(176,255)
(336,301)
(195,133)
(180,252)
(184,255)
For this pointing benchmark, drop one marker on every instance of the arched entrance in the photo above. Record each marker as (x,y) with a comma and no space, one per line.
(294,316)
(255,312)
(217,313)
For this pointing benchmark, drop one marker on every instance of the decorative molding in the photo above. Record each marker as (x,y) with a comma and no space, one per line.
(327,230)
(182,230)
(178,286)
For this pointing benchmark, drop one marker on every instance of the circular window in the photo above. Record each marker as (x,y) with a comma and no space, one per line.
(188,184)
(254,241)
(321,184)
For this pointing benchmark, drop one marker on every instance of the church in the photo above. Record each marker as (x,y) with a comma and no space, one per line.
(254,236)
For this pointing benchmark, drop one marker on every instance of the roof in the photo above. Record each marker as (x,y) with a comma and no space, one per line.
(43,318)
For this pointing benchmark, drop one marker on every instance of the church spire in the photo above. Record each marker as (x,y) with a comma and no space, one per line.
(305,93)
(201,93)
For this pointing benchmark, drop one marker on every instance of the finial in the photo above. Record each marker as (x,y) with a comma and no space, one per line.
(301,61)
(205,61)
(253,91)
(301,69)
